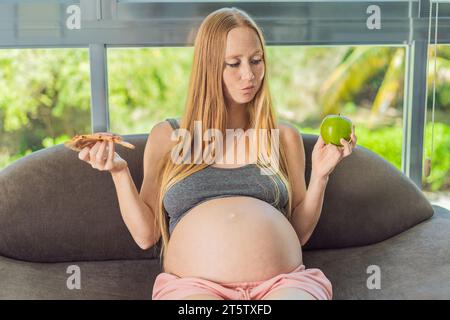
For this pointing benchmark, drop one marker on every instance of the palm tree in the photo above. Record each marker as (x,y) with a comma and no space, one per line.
(362,64)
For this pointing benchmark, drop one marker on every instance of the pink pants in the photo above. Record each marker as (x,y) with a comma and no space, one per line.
(171,287)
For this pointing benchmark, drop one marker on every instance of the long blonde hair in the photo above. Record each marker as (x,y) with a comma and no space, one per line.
(206,103)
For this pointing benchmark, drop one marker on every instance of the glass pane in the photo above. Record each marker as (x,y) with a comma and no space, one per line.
(436,186)
(44,99)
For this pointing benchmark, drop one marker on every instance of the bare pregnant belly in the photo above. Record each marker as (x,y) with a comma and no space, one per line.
(233,239)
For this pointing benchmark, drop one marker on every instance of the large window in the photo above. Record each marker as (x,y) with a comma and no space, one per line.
(365,60)
(364,83)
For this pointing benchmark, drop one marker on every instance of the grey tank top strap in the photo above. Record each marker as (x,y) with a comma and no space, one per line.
(173,122)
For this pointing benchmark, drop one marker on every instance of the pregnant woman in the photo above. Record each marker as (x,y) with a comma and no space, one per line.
(227,230)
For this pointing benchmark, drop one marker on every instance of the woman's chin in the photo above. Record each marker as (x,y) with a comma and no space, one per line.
(244,99)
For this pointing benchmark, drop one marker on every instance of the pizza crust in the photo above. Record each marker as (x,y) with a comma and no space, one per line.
(78,142)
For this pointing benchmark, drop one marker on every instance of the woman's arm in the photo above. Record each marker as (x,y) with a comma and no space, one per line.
(138,217)
(307,203)
(138,209)
(306,215)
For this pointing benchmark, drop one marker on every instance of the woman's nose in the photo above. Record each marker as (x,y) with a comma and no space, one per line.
(247,73)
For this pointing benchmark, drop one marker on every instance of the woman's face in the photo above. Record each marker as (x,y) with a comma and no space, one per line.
(244,65)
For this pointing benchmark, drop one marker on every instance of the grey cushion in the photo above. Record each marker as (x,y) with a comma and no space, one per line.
(57,208)
(118,279)
(367,200)
(414,265)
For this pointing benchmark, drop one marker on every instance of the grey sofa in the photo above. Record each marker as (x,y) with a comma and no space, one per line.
(57,212)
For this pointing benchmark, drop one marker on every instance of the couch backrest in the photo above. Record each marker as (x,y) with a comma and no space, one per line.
(57,208)
(367,200)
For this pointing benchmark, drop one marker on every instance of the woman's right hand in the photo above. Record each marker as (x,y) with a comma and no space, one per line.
(101,156)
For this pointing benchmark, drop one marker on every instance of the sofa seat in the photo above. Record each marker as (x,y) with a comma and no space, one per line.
(414,265)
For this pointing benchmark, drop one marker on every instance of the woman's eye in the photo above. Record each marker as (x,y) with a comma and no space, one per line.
(234,65)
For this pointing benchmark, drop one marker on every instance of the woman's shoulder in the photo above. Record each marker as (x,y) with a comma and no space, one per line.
(287,128)
(289,134)
(161,134)
(166,126)
(161,129)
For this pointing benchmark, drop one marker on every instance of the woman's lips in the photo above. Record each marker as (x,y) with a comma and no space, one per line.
(248,89)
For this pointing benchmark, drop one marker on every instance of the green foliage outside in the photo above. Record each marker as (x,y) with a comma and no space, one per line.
(45,97)
(146,85)
(387,142)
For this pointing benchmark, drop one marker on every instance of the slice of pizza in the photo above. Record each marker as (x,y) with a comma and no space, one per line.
(80,141)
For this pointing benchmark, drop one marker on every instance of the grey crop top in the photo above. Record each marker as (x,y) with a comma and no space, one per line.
(214,182)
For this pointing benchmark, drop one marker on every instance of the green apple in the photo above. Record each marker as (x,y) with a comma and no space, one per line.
(334,127)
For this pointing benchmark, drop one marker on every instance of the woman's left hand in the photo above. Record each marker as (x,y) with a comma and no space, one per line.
(325,157)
